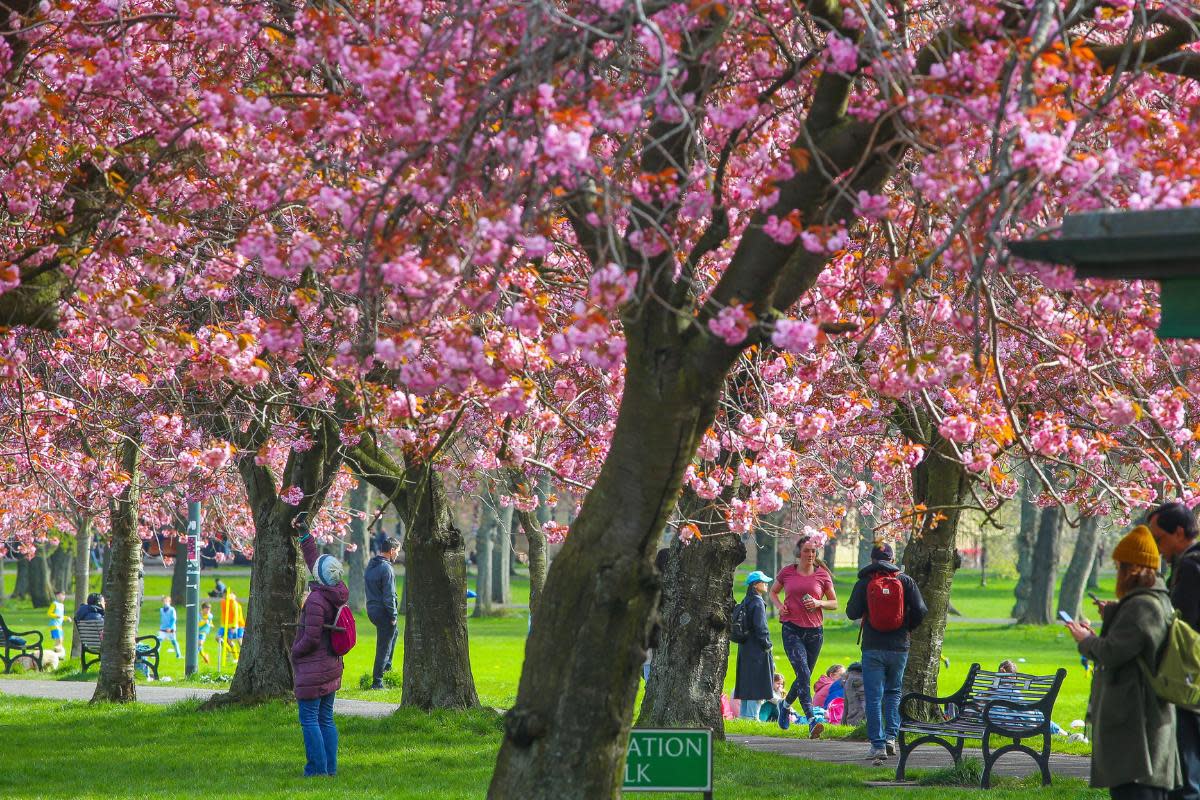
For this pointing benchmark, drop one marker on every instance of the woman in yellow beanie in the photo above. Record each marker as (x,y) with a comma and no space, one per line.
(1133,731)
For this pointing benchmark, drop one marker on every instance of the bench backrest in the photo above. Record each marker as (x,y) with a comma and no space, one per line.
(89,632)
(1018,687)
(4,634)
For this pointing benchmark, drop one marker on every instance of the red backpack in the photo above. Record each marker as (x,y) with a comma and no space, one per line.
(885,602)
(341,641)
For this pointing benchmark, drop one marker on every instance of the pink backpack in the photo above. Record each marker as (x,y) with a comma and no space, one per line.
(727,709)
(344,636)
(836,710)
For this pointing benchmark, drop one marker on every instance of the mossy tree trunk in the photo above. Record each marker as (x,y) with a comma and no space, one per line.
(118,647)
(691,645)
(38,585)
(277,572)
(1044,569)
(484,574)
(61,565)
(939,482)
(437,658)
(1026,539)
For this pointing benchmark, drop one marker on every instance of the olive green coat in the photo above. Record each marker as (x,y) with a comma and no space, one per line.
(1133,732)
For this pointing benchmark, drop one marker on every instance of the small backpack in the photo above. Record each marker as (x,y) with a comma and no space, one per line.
(343,640)
(1177,679)
(885,602)
(739,631)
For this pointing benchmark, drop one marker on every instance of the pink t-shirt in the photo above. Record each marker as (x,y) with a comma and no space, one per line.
(795,586)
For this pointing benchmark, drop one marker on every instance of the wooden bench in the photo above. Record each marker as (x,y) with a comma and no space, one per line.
(17,645)
(1008,705)
(91,631)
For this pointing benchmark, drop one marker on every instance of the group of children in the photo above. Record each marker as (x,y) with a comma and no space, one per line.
(229,635)
(837,699)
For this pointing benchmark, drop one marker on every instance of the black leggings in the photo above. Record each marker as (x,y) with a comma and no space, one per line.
(802,646)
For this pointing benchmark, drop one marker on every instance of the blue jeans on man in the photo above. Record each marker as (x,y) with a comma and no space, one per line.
(883,674)
(320,735)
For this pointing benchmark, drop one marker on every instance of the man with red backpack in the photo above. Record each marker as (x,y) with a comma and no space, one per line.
(890,605)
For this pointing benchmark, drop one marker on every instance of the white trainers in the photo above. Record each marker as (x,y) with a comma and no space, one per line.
(890,747)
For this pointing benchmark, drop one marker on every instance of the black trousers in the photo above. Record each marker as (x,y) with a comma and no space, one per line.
(1137,791)
(1187,737)
(385,645)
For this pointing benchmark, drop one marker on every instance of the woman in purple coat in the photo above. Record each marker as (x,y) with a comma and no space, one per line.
(316,671)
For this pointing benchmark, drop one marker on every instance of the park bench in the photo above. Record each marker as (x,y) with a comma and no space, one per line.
(1003,704)
(16,646)
(90,632)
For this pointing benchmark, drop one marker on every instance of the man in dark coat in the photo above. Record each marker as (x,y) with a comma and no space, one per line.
(884,652)
(92,609)
(755,669)
(1175,531)
(381,606)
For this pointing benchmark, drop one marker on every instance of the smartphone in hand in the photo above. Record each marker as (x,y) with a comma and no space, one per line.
(1065,617)
(1095,599)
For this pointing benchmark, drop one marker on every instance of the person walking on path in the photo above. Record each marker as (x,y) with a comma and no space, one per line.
(890,606)
(167,619)
(1133,730)
(381,607)
(316,671)
(1175,531)
(807,587)
(755,669)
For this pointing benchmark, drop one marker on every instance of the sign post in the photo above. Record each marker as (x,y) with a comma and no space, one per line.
(191,551)
(663,760)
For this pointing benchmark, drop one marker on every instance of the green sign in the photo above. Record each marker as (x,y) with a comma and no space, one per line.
(668,761)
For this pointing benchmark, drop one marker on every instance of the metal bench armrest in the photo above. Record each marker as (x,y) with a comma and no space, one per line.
(23,634)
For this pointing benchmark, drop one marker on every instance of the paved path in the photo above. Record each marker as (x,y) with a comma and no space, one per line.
(163,695)
(924,757)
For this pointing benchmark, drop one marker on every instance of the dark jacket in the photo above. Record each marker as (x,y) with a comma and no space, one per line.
(1185,585)
(914,609)
(1133,731)
(316,671)
(381,590)
(755,669)
(86,611)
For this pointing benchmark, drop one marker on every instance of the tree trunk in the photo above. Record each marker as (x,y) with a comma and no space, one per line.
(179,576)
(766,552)
(437,660)
(940,483)
(356,559)
(1040,609)
(1083,558)
(489,522)
(118,647)
(502,556)
(277,572)
(567,734)
(691,654)
(21,586)
(61,566)
(105,568)
(1093,581)
(3,585)
(39,588)
(830,554)
(1026,538)
(536,539)
(83,565)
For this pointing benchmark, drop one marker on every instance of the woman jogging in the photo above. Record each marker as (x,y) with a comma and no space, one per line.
(807,587)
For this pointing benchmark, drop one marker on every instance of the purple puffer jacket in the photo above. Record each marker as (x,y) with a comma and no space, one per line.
(316,671)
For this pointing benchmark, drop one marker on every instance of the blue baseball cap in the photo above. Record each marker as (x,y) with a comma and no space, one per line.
(756,576)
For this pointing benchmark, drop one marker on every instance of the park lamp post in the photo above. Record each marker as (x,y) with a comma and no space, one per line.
(191,551)
(1160,245)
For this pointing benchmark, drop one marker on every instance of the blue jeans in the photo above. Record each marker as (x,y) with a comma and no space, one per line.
(802,646)
(320,735)
(883,673)
(750,709)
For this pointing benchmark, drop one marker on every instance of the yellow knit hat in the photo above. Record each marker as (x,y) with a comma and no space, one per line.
(1138,548)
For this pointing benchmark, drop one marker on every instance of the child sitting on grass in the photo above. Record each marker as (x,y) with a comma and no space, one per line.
(825,684)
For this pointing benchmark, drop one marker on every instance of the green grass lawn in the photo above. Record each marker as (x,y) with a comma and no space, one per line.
(498,646)
(72,751)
